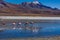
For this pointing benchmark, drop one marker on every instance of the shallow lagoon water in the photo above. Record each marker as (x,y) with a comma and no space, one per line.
(48,29)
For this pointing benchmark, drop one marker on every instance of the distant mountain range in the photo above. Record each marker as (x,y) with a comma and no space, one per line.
(27,8)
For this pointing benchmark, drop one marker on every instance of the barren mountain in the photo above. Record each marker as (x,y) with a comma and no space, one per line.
(27,9)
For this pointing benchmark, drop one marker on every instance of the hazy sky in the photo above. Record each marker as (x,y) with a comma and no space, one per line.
(51,3)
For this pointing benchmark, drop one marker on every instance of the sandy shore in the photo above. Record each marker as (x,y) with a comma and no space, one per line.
(33,15)
(51,38)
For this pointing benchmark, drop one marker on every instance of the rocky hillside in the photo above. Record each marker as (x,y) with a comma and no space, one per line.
(34,8)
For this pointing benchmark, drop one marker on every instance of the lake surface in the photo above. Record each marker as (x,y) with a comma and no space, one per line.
(48,29)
